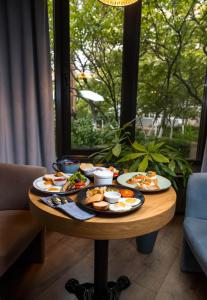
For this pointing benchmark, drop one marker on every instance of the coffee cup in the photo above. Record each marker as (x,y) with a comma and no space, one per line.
(66,165)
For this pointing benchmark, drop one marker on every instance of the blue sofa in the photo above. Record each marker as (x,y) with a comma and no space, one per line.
(194,254)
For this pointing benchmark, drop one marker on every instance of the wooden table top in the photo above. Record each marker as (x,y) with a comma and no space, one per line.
(157,210)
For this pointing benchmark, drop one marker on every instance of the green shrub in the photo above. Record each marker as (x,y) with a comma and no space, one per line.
(83,134)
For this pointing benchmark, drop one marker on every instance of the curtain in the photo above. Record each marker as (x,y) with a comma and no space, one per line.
(26,105)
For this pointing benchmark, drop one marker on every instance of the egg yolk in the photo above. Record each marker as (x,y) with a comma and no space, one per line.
(130,200)
(53,189)
(120,204)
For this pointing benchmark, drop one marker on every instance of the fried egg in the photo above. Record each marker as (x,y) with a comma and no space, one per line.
(130,201)
(54,189)
(120,207)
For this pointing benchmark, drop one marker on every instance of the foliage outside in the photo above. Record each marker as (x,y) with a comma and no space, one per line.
(172,62)
(171,70)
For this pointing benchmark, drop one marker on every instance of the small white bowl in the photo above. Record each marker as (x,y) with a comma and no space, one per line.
(112,197)
(89,172)
(59,181)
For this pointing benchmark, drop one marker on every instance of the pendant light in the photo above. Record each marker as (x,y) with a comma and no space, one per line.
(118,2)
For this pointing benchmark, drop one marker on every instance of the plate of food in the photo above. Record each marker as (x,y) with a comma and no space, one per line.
(88,169)
(61,183)
(110,200)
(144,181)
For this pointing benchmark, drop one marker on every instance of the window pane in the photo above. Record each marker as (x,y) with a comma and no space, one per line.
(171,72)
(96,57)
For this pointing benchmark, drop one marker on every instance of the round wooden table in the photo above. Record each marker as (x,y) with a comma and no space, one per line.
(157,210)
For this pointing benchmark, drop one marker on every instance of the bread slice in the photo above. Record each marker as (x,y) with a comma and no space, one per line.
(94,198)
(102,205)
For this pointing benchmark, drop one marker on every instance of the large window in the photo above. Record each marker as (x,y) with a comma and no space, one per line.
(172,70)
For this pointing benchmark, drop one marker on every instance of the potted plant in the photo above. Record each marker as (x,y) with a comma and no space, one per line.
(153,155)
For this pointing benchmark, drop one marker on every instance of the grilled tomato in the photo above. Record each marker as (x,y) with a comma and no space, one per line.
(126,193)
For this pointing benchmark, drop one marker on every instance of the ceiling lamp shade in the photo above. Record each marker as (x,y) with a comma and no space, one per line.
(118,2)
(89,95)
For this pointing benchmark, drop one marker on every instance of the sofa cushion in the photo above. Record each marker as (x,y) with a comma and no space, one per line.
(195,231)
(14,184)
(17,230)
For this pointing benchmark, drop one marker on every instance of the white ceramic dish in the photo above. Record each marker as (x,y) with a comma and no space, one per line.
(41,185)
(163,182)
(112,196)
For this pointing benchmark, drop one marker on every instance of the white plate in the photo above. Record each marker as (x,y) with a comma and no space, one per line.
(41,185)
(163,182)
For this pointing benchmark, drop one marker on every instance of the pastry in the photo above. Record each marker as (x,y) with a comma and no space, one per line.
(86,166)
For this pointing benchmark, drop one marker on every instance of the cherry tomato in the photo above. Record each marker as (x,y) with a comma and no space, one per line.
(79,185)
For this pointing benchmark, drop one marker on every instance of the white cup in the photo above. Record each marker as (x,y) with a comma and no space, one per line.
(103,177)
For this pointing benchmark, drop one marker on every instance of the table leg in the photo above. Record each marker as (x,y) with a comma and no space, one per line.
(101,269)
(145,243)
(101,289)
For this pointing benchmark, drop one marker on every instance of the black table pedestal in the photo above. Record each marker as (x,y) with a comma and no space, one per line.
(101,289)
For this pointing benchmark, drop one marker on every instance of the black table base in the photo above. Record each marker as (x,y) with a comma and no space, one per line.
(85,291)
(101,289)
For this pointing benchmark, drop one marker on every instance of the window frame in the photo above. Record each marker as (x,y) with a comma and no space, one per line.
(131,36)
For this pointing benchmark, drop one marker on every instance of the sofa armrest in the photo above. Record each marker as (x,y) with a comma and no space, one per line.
(15,181)
(196,197)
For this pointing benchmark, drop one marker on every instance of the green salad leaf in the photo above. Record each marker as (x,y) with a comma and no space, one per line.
(77,176)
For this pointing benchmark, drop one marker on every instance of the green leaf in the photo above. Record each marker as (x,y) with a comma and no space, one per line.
(134,166)
(108,157)
(131,156)
(168,171)
(172,165)
(159,145)
(159,158)
(138,147)
(181,166)
(116,150)
(143,165)
(150,146)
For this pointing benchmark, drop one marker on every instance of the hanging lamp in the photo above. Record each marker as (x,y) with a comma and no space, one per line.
(118,2)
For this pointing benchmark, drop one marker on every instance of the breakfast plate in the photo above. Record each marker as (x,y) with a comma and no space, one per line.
(48,186)
(128,204)
(162,182)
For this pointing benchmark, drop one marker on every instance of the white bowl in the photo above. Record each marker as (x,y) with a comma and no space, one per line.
(90,172)
(59,181)
(112,196)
